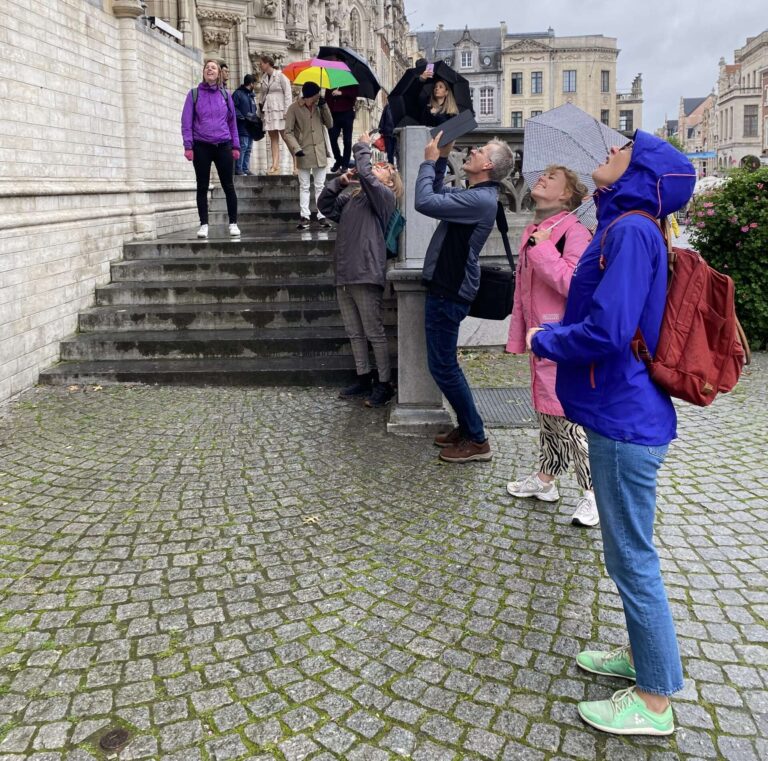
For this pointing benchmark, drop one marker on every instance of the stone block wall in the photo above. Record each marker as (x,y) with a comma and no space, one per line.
(90,157)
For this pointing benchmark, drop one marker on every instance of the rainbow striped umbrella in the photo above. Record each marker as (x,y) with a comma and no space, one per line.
(327,74)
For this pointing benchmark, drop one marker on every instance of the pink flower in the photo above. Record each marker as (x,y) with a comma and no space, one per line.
(753,225)
(738,244)
(760,185)
(745,229)
(710,212)
(699,213)
(708,205)
(734,220)
(701,224)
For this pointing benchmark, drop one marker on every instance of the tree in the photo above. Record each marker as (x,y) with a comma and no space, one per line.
(674,141)
(730,229)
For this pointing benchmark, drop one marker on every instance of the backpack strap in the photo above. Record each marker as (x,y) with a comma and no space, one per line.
(501,223)
(195,94)
(637,344)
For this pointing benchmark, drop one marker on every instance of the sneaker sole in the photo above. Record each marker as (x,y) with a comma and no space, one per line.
(628,731)
(605,673)
(584,524)
(472,458)
(540,497)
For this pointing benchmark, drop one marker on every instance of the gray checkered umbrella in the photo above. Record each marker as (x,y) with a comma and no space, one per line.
(568,136)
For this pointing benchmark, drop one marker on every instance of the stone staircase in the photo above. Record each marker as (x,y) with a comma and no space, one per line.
(261,310)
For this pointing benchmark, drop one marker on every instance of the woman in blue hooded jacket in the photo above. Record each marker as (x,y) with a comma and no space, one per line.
(619,285)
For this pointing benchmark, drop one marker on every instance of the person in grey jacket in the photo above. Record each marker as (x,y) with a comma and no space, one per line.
(451,275)
(360,263)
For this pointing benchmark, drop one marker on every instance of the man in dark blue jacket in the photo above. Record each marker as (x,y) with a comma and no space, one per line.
(245,103)
(451,275)
(619,286)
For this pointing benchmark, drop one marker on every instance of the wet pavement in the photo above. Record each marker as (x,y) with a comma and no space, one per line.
(264,573)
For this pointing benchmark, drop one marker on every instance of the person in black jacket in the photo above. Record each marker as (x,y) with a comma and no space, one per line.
(245,103)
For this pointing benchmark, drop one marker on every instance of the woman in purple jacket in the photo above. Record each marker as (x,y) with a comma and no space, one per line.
(209,131)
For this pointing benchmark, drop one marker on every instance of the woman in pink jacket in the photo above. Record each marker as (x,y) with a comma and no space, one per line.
(550,251)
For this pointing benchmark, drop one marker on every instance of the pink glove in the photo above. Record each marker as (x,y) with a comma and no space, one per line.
(189,154)
(235,154)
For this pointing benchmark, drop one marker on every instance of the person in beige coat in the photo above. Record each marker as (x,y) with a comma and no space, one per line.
(305,123)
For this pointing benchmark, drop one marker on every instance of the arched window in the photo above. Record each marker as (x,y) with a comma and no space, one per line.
(355,27)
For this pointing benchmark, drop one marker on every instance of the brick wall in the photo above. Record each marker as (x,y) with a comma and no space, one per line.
(90,156)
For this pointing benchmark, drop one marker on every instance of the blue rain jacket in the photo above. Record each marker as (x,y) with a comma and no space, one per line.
(600,383)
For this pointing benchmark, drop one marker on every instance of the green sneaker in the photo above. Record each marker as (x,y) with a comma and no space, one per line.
(614,663)
(626,714)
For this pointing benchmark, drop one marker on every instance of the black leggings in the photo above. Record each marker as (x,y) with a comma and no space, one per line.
(220,154)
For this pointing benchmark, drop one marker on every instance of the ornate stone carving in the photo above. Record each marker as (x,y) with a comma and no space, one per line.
(269,8)
(216,25)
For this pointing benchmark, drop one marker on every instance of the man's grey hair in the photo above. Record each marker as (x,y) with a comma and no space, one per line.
(502,158)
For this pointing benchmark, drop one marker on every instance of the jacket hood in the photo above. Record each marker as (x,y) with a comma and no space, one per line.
(205,86)
(659,180)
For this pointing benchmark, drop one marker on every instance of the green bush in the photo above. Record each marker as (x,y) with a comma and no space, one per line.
(729,227)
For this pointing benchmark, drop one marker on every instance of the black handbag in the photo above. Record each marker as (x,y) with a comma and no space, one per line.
(497,284)
(254,126)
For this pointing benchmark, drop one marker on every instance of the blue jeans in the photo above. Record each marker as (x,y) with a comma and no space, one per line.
(624,478)
(246,143)
(442,318)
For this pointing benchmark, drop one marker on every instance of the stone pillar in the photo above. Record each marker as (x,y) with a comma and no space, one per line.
(419,409)
(127,11)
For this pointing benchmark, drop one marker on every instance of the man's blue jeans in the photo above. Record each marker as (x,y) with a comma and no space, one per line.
(442,318)
(246,143)
(624,478)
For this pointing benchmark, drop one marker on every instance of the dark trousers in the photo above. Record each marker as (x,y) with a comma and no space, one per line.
(342,125)
(390,142)
(442,318)
(220,154)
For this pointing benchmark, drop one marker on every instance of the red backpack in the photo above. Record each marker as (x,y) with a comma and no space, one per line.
(702,348)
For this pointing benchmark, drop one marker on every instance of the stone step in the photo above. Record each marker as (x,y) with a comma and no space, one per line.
(261,243)
(260,206)
(171,317)
(207,291)
(249,218)
(222,269)
(332,370)
(190,344)
(262,192)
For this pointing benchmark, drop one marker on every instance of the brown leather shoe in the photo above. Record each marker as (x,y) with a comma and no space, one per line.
(467,451)
(449,438)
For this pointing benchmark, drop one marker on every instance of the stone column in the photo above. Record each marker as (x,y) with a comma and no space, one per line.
(419,409)
(127,11)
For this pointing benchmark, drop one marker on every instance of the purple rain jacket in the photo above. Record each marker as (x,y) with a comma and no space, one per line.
(210,120)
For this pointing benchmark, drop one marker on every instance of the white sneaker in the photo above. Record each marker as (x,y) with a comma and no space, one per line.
(586,511)
(234,230)
(532,486)
(203,231)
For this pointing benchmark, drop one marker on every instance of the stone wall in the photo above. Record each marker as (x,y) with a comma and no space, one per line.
(90,156)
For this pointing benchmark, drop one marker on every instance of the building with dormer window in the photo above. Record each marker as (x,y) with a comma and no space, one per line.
(515,76)
(476,55)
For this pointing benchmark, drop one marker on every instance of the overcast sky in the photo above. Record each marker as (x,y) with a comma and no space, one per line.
(677,50)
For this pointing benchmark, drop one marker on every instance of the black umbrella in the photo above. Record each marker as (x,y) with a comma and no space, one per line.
(410,95)
(368,85)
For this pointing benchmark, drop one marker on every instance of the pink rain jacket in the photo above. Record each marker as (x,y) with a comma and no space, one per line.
(541,288)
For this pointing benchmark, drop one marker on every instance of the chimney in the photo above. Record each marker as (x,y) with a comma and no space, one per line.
(503,27)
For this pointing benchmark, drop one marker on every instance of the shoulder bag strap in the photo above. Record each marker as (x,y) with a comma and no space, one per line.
(501,223)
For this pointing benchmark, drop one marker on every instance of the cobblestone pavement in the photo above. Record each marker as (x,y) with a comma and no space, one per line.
(266,574)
